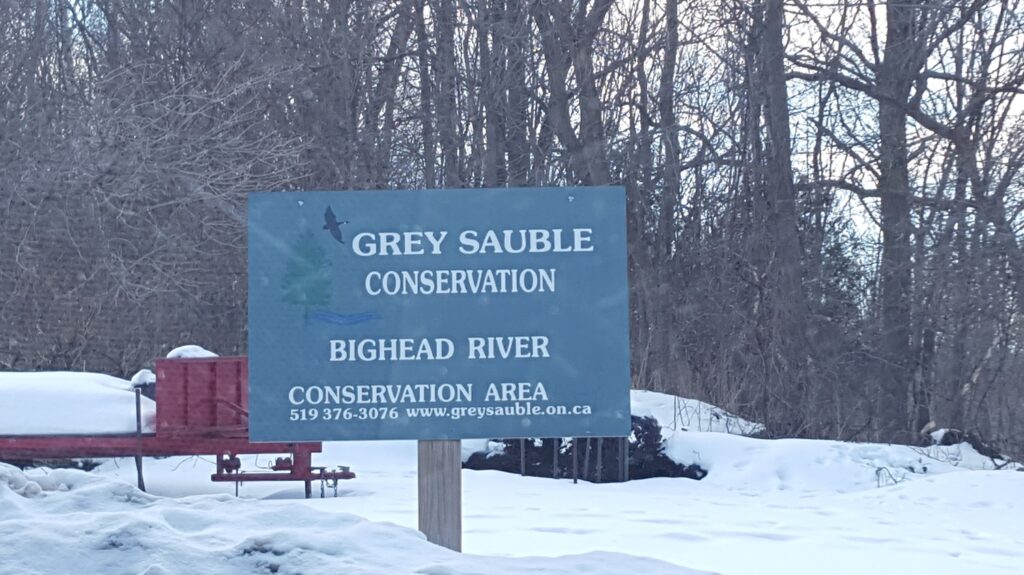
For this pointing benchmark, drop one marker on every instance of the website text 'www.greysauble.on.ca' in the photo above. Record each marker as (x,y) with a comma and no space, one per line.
(518,409)
(480,412)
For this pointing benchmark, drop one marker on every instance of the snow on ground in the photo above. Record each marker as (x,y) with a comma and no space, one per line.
(793,507)
(58,402)
(189,352)
(143,377)
(784,506)
(806,465)
(680,413)
(68,521)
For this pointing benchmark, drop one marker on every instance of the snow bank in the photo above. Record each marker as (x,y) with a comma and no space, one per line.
(69,403)
(143,377)
(680,413)
(712,438)
(97,525)
(814,465)
(189,352)
(38,481)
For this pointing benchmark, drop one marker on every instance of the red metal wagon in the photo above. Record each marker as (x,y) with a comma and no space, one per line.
(201,409)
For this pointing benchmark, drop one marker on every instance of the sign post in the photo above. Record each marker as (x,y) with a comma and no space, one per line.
(439,482)
(438,315)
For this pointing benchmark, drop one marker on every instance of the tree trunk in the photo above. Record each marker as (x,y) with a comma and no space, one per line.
(515,37)
(895,78)
(426,100)
(788,301)
(444,72)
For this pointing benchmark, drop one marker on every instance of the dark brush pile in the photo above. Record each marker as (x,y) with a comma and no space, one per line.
(598,459)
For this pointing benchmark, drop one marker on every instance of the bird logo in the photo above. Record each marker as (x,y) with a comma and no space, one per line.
(332,225)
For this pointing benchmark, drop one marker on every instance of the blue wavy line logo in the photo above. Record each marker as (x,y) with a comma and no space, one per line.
(344,318)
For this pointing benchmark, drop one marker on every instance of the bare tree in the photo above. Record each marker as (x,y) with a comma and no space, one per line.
(812,187)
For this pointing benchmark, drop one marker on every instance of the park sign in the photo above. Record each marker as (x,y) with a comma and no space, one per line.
(438,314)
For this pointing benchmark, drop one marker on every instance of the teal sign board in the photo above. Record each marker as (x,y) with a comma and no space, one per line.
(438,314)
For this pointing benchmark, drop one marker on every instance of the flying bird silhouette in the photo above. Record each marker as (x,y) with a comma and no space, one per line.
(332,225)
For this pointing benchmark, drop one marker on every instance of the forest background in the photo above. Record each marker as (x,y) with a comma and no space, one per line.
(824,197)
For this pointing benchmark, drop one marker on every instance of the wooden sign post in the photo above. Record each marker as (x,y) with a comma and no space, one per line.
(440,492)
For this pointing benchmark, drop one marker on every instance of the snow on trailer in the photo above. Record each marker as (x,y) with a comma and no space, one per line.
(201,408)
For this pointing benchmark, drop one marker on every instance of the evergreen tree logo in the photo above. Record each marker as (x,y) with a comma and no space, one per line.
(307,277)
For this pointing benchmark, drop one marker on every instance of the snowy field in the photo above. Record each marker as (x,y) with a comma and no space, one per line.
(787,507)
(69,403)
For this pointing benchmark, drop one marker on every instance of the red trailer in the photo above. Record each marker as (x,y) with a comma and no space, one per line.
(201,409)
